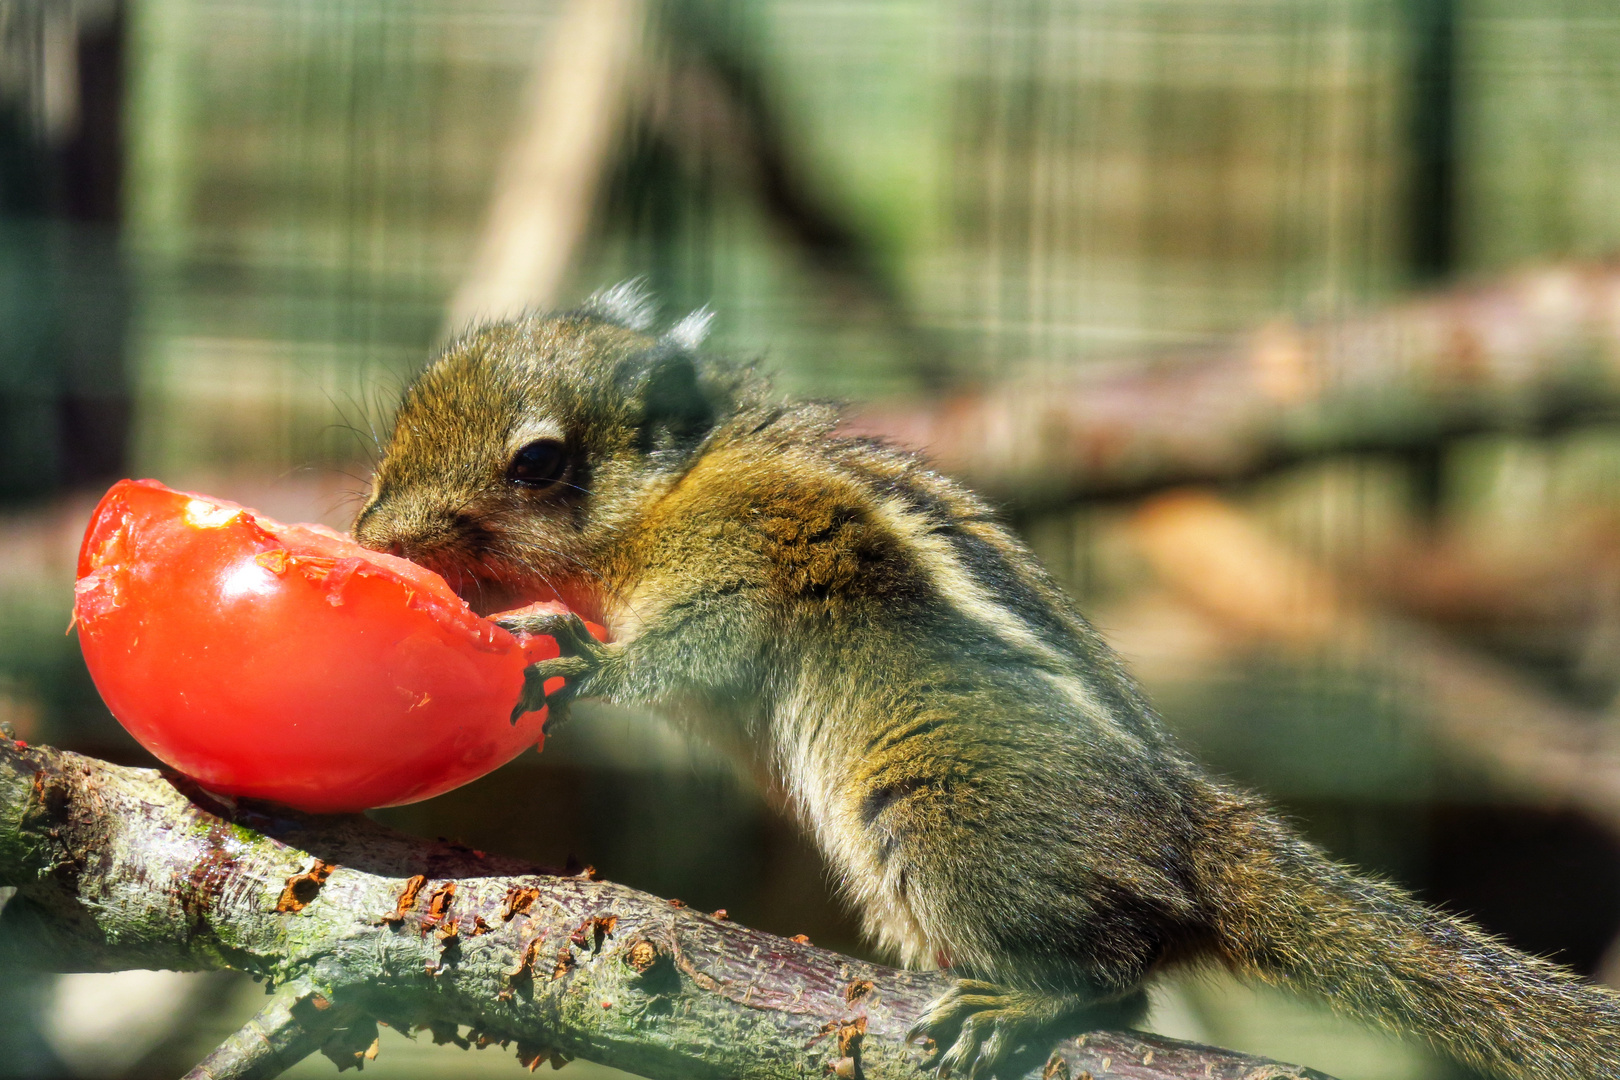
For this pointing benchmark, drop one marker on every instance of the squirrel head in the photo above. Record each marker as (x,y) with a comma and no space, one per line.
(521,452)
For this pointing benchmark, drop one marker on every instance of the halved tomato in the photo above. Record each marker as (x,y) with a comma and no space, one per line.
(286,662)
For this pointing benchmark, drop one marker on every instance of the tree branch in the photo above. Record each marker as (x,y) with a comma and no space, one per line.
(118,867)
(1226,565)
(1538,349)
(297,1022)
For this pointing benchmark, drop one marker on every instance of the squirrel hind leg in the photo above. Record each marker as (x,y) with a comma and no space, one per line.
(978,1029)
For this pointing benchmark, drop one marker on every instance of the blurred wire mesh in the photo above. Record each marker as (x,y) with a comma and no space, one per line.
(230,229)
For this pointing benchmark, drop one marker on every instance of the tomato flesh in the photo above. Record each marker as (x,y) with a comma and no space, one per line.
(286,662)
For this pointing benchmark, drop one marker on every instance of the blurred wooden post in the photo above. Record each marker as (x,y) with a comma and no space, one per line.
(584,76)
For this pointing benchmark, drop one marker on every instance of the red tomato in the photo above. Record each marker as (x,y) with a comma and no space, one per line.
(286,662)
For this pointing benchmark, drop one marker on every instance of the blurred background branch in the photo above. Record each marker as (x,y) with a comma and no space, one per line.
(1262,594)
(1535,353)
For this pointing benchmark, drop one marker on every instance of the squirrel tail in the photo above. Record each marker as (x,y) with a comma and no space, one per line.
(1286,914)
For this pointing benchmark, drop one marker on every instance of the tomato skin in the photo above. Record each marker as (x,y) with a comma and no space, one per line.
(285,662)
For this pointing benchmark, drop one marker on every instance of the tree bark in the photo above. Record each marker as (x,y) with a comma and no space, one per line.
(354,924)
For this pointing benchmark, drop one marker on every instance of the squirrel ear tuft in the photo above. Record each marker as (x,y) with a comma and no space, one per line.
(677,410)
(627,304)
(690,331)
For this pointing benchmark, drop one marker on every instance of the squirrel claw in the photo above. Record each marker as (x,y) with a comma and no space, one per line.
(580,654)
(556,703)
(564,627)
(975,1027)
(957,1025)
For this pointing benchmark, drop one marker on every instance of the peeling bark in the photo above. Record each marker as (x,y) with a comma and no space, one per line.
(121,868)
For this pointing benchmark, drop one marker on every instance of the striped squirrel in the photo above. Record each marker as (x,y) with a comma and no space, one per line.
(993,791)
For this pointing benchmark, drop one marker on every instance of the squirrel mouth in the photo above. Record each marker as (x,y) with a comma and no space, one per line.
(484,591)
(489,593)
(488,598)
(489,586)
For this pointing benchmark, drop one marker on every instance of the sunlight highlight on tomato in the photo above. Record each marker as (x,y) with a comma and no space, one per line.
(286,662)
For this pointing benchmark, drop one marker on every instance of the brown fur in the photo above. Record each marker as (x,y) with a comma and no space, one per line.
(989,784)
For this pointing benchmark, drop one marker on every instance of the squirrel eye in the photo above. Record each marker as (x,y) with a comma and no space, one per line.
(539,464)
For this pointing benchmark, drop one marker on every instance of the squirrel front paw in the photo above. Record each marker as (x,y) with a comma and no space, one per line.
(580,655)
